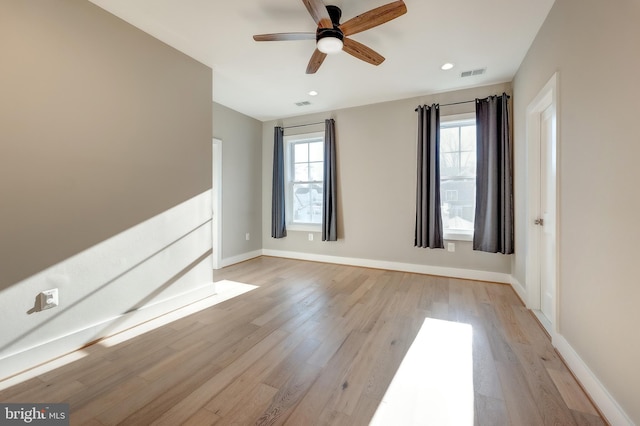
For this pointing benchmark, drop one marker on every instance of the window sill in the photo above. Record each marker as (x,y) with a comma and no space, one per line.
(304,228)
(458,236)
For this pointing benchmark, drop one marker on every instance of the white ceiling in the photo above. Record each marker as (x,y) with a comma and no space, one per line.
(265,79)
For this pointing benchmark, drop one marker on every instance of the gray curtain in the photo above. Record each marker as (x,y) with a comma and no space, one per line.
(493,229)
(329,198)
(428,232)
(278,220)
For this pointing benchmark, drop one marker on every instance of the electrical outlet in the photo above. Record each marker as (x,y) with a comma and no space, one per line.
(310,236)
(247,236)
(451,246)
(48,299)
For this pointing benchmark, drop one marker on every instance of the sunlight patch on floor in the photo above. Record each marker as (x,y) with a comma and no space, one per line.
(434,383)
(225,290)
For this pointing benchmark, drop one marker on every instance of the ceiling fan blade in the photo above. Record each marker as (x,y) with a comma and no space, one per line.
(316,60)
(284,36)
(362,52)
(319,13)
(374,17)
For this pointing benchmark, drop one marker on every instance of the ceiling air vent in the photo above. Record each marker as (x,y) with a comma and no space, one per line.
(471,73)
(303,103)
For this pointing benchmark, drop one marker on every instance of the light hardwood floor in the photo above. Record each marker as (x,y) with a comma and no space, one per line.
(315,344)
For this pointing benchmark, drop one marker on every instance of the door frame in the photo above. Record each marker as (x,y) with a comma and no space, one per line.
(548,96)
(216,200)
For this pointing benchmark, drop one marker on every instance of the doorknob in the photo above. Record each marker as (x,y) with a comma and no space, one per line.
(538,222)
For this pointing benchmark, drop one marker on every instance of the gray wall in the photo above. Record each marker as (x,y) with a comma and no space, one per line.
(241,180)
(593,45)
(376,149)
(101,127)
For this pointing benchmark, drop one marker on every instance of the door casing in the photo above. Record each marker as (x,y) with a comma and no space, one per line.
(547,97)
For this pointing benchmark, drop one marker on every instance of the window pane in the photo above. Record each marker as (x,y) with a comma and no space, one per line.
(301,172)
(457,176)
(468,136)
(307,203)
(301,152)
(449,164)
(458,204)
(449,139)
(468,166)
(315,171)
(316,151)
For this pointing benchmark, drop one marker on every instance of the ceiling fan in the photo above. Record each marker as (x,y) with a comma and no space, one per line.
(331,35)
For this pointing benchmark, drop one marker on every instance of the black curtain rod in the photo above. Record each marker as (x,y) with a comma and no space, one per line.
(458,103)
(461,102)
(303,125)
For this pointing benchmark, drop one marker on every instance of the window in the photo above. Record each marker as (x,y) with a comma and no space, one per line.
(458,176)
(305,166)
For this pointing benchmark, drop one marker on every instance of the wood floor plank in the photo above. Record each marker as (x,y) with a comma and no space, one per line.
(485,376)
(313,344)
(571,392)
(288,396)
(521,407)
(490,411)
(82,414)
(329,382)
(202,417)
(200,396)
(221,403)
(295,361)
(251,407)
(159,395)
(550,404)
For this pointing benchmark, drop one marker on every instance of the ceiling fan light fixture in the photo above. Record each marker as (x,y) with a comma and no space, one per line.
(330,45)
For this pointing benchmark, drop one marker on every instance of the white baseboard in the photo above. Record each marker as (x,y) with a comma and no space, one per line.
(519,289)
(228,261)
(46,351)
(609,407)
(468,274)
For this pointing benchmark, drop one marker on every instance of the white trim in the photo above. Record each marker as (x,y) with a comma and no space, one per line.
(304,228)
(216,196)
(457,117)
(613,413)
(228,261)
(469,274)
(548,96)
(61,345)
(456,235)
(288,140)
(520,290)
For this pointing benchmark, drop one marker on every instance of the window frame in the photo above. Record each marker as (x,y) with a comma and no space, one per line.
(289,142)
(450,121)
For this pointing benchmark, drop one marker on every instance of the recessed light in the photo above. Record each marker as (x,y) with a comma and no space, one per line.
(447,66)
(313,93)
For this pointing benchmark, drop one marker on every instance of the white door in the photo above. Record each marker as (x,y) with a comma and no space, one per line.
(542,227)
(547,234)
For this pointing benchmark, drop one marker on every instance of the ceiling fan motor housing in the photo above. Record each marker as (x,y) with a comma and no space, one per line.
(335,13)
